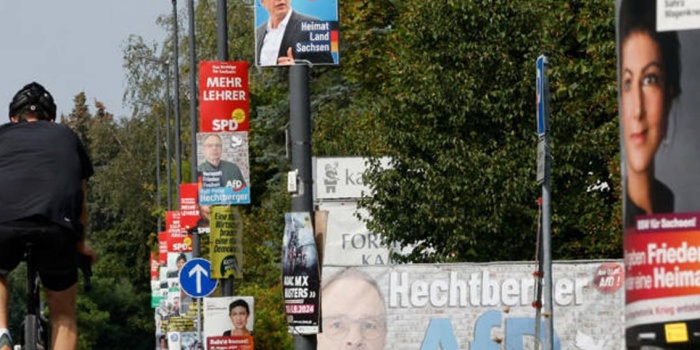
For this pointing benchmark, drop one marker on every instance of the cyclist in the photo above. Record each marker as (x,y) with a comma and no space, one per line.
(43,170)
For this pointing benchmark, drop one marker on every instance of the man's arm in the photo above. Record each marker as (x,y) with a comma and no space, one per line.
(293,35)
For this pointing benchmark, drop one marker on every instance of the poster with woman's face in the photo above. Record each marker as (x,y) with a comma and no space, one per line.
(658,47)
(230,316)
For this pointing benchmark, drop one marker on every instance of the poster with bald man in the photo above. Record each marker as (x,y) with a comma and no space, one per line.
(223,172)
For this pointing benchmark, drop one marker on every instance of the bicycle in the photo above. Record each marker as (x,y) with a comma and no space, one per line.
(36,333)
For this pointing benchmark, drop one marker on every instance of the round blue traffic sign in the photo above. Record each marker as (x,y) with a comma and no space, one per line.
(195,278)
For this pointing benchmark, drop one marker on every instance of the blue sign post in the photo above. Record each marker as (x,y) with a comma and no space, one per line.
(543,172)
(542,96)
(195,278)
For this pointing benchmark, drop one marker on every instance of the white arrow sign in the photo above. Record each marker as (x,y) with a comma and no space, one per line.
(195,278)
(199,270)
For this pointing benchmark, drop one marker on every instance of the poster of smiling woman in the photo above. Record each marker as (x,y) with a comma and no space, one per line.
(658,46)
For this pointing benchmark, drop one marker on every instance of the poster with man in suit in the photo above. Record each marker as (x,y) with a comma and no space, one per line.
(291,32)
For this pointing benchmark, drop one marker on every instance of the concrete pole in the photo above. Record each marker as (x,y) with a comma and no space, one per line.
(300,135)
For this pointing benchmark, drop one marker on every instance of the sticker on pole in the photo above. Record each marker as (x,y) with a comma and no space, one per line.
(195,278)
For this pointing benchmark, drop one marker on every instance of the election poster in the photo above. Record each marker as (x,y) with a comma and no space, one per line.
(177,239)
(296,32)
(470,306)
(300,274)
(163,237)
(223,172)
(189,210)
(156,293)
(226,242)
(658,46)
(182,340)
(176,260)
(228,323)
(223,96)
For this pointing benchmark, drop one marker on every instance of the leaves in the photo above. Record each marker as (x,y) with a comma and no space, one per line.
(458,120)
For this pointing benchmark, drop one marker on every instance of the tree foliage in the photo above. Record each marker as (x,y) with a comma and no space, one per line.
(458,119)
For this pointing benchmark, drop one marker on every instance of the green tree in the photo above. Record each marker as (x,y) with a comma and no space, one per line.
(457,109)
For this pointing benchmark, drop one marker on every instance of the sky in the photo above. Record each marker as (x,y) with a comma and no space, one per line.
(73,46)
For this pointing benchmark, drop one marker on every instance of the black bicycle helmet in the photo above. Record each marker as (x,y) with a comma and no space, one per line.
(34,97)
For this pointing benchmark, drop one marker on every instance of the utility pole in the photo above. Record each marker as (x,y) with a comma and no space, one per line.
(300,135)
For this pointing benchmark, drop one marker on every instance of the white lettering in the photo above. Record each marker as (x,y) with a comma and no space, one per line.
(224,82)
(223,95)
(478,289)
(438,298)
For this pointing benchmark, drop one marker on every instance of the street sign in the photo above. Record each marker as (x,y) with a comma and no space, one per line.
(195,278)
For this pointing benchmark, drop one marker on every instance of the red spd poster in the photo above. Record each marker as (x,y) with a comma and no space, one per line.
(223,96)
(155,265)
(163,238)
(178,239)
(189,211)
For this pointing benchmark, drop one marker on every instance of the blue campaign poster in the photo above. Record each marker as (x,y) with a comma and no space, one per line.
(325,10)
(297,32)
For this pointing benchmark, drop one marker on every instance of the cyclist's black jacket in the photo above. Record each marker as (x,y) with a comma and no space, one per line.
(42,165)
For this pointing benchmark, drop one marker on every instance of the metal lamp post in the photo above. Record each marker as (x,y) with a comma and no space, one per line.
(176,65)
(166,66)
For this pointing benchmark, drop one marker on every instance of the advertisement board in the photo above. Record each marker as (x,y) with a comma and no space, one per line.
(348,240)
(470,306)
(300,274)
(658,45)
(340,178)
